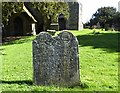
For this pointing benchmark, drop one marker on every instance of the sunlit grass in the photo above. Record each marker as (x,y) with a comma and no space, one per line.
(98,55)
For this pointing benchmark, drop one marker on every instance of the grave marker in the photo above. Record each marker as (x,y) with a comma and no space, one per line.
(56,59)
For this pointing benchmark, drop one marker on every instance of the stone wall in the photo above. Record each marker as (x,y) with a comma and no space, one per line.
(75,19)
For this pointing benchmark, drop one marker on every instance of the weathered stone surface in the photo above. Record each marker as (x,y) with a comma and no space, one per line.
(56,60)
(74,21)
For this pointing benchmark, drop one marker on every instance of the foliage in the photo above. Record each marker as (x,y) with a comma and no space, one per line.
(117,17)
(103,15)
(49,9)
(116,20)
(98,55)
(8,8)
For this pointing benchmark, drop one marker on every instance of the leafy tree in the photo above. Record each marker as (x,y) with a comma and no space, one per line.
(103,15)
(8,8)
(116,21)
(50,10)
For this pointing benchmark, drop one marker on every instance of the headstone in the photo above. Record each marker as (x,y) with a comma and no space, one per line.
(56,59)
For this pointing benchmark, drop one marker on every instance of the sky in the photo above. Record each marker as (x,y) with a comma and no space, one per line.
(91,6)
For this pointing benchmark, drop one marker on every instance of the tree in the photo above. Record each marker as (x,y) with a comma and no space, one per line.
(8,8)
(50,10)
(103,15)
(116,21)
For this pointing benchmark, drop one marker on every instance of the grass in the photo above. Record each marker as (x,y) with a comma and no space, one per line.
(98,63)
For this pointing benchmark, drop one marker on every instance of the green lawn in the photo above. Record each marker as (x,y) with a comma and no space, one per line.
(98,55)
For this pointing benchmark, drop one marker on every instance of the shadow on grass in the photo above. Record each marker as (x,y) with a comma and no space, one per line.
(1,49)
(82,86)
(20,40)
(3,54)
(107,41)
(28,82)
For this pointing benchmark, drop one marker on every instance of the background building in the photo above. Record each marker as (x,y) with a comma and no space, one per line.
(75,16)
(30,21)
(80,17)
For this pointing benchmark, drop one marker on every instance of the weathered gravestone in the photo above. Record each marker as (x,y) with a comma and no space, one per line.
(56,60)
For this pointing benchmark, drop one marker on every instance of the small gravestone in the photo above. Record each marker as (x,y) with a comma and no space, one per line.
(56,59)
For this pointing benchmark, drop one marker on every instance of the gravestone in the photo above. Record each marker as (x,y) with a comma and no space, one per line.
(56,59)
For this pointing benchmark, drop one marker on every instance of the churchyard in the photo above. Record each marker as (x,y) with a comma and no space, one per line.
(98,63)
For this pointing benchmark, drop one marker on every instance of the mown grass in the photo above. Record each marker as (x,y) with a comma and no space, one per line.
(98,54)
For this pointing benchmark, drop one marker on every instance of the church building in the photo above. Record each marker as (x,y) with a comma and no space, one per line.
(30,22)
